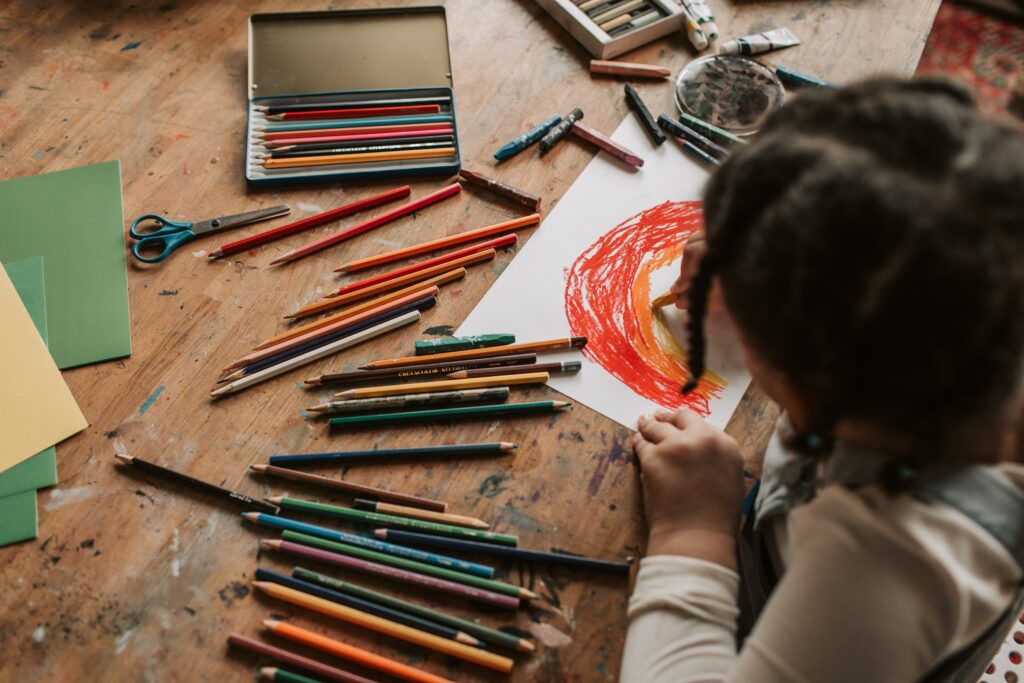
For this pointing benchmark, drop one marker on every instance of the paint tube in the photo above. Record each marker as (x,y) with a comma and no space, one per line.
(697,37)
(760,42)
(701,13)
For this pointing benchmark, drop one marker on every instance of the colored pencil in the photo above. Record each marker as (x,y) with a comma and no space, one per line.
(322,134)
(274,127)
(664,300)
(365,149)
(321,338)
(368,157)
(567,367)
(288,148)
(310,222)
(272,673)
(505,190)
(511,349)
(607,144)
(371,544)
(364,605)
(346,486)
(680,130)
(391,567)
(517,145)
(427,515)
(352,113)
(468,585)
(560,130)
(418,371)
(317,354)
(351,653)
(709,130)
(279,107)
(161,472)
(451,257)
(368,517)
(426,347)
(323,671)
(433,398)
(431,541)
(489,635)
(643,114)
(442,385)
(601,66)
(372,623)
(346,457)
(442,243)
(387,285)
(288,140)
(419,416)
(360,228)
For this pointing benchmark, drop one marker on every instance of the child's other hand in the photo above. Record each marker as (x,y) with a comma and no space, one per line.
(692,476)
(693,252)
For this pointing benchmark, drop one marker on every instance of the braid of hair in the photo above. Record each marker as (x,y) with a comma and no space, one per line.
(700,293)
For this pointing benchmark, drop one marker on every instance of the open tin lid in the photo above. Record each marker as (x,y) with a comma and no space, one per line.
(303,53)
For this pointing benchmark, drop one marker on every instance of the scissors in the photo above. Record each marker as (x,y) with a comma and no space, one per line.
(162,235)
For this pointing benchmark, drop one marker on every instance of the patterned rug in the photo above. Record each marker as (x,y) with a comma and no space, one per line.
(985,51)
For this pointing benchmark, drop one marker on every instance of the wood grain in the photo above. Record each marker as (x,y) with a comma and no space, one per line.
(131,580)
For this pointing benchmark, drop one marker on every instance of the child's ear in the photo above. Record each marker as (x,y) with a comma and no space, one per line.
(798,403)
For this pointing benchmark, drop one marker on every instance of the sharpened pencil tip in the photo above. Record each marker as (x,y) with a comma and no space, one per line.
(312,381)
(467,639)
(123,457)
(269,672)
(380,533)
(251,516)
(271,543)
(217,393)
(526,646)
(276,500)
(281,259)
(258,467)
(271,623)
(509,446)
(216,253)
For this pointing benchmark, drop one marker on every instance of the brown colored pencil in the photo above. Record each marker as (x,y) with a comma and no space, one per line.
(497,187)
(469,354)
(607,144)
(405,511)
(419,371)
(569,367)
(601,66)
(328,673)
(349,487)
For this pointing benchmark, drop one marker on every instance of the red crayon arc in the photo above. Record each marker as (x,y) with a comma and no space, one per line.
(607,299)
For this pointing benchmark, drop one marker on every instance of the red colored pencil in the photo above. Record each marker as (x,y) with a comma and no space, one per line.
(497,243)
(326,132)
(607,144)
(311,221)
(277,144)
(355,113)
(328,673)
(359,228)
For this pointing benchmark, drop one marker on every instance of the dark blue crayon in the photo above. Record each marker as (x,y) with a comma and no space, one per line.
(526,139)
(680,130)
(792,77)
(560,130)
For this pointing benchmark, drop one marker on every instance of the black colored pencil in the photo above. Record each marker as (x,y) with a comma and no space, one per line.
(283,146)
(355,150)
(411,372)
(431,541)
(359,104)
(198,484)
(345,457)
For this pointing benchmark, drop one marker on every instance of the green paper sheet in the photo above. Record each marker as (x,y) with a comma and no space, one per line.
(18,512)
(40,470)
(73,220)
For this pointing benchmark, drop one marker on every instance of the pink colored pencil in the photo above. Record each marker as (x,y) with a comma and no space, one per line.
(607,144)
(356,137)
(443,585)
(310,222)
(330,132)
(328,673)
(360,228)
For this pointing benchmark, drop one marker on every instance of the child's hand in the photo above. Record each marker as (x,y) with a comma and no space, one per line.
(693,252)
(692,476)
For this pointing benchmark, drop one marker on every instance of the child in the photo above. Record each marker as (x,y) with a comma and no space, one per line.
(869,248)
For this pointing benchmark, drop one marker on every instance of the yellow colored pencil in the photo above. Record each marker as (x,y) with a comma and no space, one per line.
(332,159)
(390,628)
(444,385)
(418,513)
(664,300)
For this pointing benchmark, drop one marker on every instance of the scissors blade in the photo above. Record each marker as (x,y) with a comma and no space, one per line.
(239,219)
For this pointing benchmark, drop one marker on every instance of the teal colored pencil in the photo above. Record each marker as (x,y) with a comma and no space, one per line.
(356,123)
(394,521)
(501,409)
(711,131)
(272,673)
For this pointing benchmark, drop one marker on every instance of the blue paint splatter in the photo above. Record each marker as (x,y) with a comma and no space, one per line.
(304,413)
(602,669)
(148,403)
(131,46)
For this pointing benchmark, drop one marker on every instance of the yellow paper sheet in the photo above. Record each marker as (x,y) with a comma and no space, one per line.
(36,408)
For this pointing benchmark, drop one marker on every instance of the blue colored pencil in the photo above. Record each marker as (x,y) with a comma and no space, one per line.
(345,457)
(356,123)
(452,563)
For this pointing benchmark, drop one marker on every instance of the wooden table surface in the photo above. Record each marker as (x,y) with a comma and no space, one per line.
(130,580)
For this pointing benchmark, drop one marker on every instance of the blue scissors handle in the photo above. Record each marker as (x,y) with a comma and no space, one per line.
(156,245)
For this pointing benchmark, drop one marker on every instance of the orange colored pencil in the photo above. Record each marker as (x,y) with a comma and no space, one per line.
(358,130)
(442,243)
(365,292)
(359,158)
(351,653)
(508,350)
(264,351)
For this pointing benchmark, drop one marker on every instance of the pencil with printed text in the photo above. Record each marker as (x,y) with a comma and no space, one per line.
(329,113)
(310,222)
(443,385)
(411,372)
(499,188)
(382,454)
(526,347)
(297,661)
(368,517)
(350,122)
(450,257)
(426,515)
(424,416)
(273,470)
(438,244)
(164,473)
(372,623)
(564,367)
(289,139)
(484,633)
(426,347)
(357,158)
(279,107)
(430,398)
(407,129)
(358,229)
(351,653)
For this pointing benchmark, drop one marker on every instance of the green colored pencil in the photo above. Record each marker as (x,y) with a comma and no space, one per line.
(449,413)
(484,633)
(428,346)
(272,673)
(411,565)
(393,521)
(434,398)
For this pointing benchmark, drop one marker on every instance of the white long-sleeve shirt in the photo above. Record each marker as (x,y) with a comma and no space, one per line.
(876,588)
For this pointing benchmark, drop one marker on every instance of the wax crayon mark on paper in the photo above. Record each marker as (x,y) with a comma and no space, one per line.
(607,299)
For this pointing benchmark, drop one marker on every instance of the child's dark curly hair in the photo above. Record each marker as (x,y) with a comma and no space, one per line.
(870,246)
